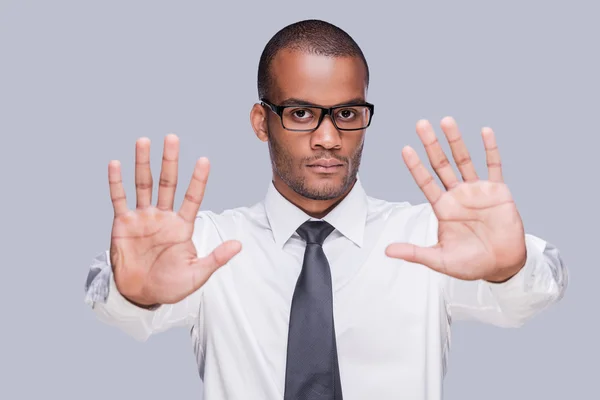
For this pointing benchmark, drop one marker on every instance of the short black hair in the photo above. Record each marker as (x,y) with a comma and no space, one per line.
(312,36)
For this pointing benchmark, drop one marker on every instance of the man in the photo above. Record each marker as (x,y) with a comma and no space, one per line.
(324,292)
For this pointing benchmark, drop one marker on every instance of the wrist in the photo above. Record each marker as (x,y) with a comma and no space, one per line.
(498,280)
(508,274)
(142,305)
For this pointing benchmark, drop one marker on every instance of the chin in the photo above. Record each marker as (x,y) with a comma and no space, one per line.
(326,188)
(317,186)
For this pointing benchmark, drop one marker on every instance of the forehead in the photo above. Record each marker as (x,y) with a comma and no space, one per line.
(322,80)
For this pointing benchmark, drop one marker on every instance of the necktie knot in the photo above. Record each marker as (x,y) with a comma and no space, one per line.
(315,232)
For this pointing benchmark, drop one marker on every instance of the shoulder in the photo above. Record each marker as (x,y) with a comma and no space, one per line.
(394,210)
(403,219)
(231,222)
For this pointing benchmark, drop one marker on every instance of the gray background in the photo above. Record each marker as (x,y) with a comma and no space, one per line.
(81,80)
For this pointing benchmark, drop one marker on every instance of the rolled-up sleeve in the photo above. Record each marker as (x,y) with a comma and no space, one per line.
(102,294)
(540,283)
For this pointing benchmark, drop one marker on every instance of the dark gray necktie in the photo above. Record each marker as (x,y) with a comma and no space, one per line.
(312,371)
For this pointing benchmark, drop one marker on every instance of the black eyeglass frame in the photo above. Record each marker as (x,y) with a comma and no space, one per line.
(324,111)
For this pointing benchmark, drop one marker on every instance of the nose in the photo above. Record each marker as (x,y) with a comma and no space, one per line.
(326,136)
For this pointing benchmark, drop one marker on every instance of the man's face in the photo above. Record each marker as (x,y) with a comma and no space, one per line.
(295,156)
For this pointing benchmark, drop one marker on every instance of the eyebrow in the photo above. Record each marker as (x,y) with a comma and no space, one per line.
(299,102)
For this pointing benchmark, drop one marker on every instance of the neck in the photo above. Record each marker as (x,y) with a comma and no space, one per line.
(314,208)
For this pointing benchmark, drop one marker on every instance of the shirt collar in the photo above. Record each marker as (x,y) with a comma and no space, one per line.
(348,217)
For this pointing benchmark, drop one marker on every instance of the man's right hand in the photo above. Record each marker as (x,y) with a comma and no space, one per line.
(153,257)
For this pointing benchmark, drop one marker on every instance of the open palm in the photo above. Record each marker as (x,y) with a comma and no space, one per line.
(480,231)
(153,257)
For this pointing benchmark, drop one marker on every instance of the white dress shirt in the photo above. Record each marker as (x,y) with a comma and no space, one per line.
(392,318)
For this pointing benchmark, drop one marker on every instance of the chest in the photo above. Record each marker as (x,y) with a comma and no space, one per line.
(388,306)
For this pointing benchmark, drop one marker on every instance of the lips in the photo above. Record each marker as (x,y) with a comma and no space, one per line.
(326,167)
(330,163)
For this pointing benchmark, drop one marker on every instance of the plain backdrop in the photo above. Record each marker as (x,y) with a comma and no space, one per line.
(81,80)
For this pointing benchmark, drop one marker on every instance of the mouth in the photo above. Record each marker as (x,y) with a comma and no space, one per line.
(326,166)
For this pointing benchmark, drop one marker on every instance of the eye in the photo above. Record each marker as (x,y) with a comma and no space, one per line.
(346,113)
(301,113)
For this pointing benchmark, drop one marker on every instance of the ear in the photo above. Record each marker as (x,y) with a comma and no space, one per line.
(258,119)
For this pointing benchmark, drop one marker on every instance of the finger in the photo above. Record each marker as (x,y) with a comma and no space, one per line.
(429,256)
(195,192)
(168,173)
(117,192)
(421,175)
(143,175)
(492,155)
(204,267)
(436,155)
(459,150)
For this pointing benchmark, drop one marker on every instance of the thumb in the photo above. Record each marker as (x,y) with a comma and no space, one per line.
(217,258)
(429,256)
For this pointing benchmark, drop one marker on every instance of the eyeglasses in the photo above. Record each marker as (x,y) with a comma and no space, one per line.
(308,118)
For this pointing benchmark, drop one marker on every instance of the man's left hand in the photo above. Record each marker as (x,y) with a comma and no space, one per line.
(480,231)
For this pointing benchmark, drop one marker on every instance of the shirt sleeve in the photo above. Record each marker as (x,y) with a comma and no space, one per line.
(102,295)
(540,283)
